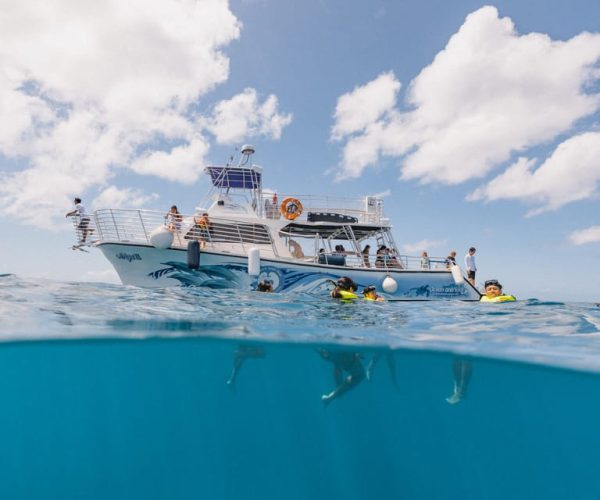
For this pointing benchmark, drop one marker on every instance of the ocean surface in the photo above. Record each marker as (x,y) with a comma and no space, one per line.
(119,392)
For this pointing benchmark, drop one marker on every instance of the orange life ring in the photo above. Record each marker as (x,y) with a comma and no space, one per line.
(291,208)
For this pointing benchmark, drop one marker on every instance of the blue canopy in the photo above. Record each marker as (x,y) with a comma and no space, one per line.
(235,177)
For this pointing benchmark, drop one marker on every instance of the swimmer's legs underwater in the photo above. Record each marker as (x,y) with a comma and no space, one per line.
(391,362)
(343,362)
(240,355)
(462,370)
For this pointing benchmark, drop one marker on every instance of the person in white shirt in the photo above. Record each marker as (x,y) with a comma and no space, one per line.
(84,220)
(470,265)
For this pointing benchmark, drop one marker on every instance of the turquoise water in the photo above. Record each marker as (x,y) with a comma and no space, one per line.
(117,392)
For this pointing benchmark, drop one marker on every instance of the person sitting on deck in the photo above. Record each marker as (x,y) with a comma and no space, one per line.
(296,249)
(451,259)
(173,219)
(365,255)
(392,259)
(339,249)
(382,257)
(200,230)
(203,224)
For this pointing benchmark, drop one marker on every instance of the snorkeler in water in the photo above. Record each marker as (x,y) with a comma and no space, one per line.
(345,289)
(343,362)
(265,286)
(493,293)
(240,355)
(461,369)
(370,293)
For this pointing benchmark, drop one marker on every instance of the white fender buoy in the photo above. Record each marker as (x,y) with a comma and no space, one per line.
(161,238)
(254,261)
(457,274)
(389,284)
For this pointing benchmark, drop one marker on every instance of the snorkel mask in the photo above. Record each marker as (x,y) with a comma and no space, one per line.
(492,283)
(369,290)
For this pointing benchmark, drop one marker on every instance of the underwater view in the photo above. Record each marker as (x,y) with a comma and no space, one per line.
(126,393)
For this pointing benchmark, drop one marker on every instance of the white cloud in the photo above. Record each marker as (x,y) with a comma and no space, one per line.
(364,105)
(423,245)
(571,173)
(583,236)
(87,88)
(243,116)
(182,163)
(490,92)
(382,194)
(113,197)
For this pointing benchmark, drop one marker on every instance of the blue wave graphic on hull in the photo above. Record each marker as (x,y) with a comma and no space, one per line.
(235,276)
(231,275)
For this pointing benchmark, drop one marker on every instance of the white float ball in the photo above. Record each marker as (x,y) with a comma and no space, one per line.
(161,238)
(389,285)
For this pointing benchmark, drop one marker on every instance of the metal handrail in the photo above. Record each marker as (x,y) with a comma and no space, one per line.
(227,235)
(396,262)
(352,207)
(136,226)
(91,231)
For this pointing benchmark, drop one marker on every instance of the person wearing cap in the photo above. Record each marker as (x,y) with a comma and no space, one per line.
(345,289)
(470,265)
(493,293)
(370,293)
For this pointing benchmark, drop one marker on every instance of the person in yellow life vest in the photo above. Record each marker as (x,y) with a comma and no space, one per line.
(370,293)
(345,289)
(493,293)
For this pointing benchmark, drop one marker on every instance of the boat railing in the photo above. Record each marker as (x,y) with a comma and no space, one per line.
(85,230)
(136,226)
(392,262)
(366,210)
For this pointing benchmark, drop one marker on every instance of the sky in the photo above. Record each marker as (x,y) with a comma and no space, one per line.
(479,123)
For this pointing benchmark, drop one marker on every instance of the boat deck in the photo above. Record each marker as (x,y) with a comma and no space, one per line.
(237,236)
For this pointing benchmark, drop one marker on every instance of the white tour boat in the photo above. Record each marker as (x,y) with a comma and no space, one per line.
(247,236)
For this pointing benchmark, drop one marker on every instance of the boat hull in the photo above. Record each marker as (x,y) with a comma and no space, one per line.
(147,266)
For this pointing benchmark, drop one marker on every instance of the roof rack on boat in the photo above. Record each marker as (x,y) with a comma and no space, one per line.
(227,177)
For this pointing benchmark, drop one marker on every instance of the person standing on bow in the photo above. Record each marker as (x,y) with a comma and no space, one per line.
(84,220)
(470,265)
